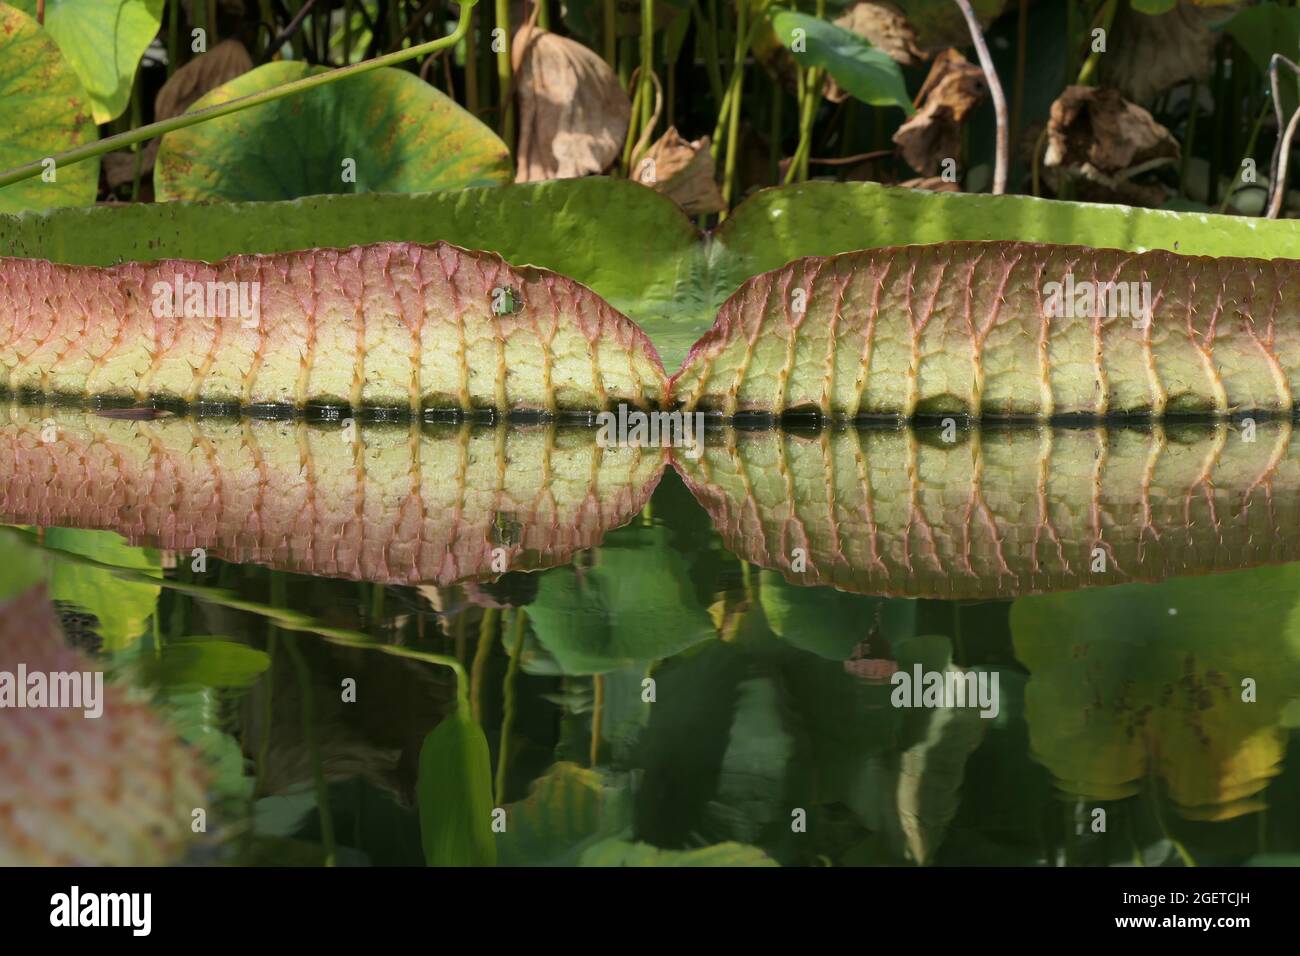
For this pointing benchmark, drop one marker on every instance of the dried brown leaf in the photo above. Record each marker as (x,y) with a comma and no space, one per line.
(1097,126)
(933,134)
(683,171)
(573,114)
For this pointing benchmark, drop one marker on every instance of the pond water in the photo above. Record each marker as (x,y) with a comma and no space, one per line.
(810,646)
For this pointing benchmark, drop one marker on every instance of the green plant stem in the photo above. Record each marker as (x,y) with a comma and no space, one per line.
(1022,56)
(471,67)
(543,15)
(647,61)
(487,633)
(597,718)
(744,35)
(1190,139)
(706,42)
(1090,65)
(1250,150)
(610,23)
(185,120)
(137,94)
(313,748)
(508,710)
(347,32)
(504,76)
(173,35)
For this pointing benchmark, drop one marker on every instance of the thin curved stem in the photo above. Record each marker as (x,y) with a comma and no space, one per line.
(995,89)
(1282,152)
(129,138)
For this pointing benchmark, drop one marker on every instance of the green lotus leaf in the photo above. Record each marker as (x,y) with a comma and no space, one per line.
(43,111)
(870,75)
(382,131)
(103,41)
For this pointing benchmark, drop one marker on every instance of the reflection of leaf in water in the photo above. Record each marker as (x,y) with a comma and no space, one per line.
(206,662)
(123,608)
(394,504)
(930,776)
(1137,681)
(623,853)
(455,795)
(635,603)
(1003,512)
(830,623)
(567,810)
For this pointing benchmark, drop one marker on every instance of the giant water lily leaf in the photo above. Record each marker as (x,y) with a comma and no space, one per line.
(383,131)
(455,795)
(397,325)
(43,111)
(1001,513)
(776,226)
(1135,682)
(1003,329)
(402,505)
(115,790)
(640,260)
(103,41)
(630,245)
(870,75)
(122,609)
(635,603)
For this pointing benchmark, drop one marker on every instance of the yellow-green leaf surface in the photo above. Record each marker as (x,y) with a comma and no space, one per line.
(1002,512)
(103,41)
(398,504)
(396,325)
(1004,329)
(43,111)
(382,131)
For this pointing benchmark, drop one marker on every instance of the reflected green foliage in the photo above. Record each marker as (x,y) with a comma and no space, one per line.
(623,853)
(102,40)
(827,622)
(385,131)
(1184,681)
(122,607)
(634,603)
(206,662)
(455,795)
(568,810)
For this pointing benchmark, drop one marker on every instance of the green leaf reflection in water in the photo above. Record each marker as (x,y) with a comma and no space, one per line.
(1184,682)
